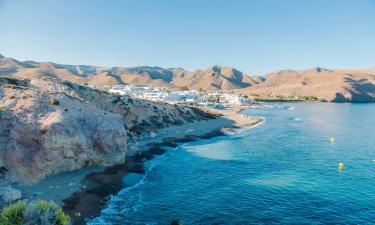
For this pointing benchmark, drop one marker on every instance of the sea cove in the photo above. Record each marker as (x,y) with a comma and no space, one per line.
(283,171)
(187,112)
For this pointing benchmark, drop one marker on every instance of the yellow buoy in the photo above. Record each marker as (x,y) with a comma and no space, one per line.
(332,139)
(341,165)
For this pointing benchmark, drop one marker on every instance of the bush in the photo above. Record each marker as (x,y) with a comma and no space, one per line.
(37,212)
(13,214)
(53,101)
(184,88)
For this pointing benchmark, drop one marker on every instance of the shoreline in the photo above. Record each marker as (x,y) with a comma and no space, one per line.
(84,193)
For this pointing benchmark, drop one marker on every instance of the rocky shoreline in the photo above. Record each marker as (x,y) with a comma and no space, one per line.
(88,203)
(85,192)
(100,186)
(54,132)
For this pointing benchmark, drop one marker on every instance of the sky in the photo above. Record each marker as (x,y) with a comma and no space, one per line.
(254,36)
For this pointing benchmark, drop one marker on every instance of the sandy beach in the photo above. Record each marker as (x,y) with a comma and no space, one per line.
(84,193)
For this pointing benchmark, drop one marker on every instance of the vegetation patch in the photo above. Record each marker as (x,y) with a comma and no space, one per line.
(53,101)
(36,212)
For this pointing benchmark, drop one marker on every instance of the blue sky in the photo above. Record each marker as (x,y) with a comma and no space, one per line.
(255,36)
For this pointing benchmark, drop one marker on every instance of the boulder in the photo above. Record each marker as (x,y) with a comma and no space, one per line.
(9,194)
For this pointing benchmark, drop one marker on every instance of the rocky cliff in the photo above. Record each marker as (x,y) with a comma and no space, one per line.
(49,125)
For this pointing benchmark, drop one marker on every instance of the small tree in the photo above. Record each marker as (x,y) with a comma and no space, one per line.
(184,88)
(53,101)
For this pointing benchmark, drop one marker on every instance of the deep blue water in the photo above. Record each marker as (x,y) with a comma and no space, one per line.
(282,172)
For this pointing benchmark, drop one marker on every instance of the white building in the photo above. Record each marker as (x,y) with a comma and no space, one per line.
(232,99)
(154,96)
(183,96)
(121,90)
(189,97)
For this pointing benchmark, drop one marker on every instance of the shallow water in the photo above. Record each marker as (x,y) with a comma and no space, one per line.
(284,171)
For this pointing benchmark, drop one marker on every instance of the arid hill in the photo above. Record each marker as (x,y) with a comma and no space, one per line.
(317,84)
(214,78)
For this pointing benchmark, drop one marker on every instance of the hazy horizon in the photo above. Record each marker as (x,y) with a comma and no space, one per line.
(256,37)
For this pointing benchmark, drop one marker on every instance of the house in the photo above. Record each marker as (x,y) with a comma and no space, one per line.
(232,99)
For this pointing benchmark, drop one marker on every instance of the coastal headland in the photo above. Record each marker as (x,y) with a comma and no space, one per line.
(73,144)
(100,185)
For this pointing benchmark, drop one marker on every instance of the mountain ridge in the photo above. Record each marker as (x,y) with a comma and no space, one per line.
(212,78)
(317,83)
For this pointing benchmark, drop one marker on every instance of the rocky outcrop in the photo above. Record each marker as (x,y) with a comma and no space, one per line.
(9,194)
(48,126)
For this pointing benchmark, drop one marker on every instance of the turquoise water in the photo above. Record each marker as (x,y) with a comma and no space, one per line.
(282,172)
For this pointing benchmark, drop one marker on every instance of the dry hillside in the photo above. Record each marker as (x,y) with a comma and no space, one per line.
(214,78)
(318,83)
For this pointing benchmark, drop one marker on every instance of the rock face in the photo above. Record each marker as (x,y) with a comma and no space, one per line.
(9,194)
(48,126)
(318,83)
(214,78)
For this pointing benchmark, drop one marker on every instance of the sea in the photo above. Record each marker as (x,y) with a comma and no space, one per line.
(283,171)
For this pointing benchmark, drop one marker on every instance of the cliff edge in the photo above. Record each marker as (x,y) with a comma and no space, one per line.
(48,126)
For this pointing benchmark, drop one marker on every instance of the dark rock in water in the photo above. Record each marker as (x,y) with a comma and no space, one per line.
(213,134)
(3,171)
(157,151)
(177,222)
(170,144)
(145,155)
(186,138)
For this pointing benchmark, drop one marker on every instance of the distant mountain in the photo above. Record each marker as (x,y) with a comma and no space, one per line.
(317,83)
(312,84)
(214,78)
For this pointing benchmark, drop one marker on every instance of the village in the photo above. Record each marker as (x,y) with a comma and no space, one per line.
(184,95)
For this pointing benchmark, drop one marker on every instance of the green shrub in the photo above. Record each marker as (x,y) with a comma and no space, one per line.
(13,214)
(53,101)
(184,88)
(308,98)
(36,212)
